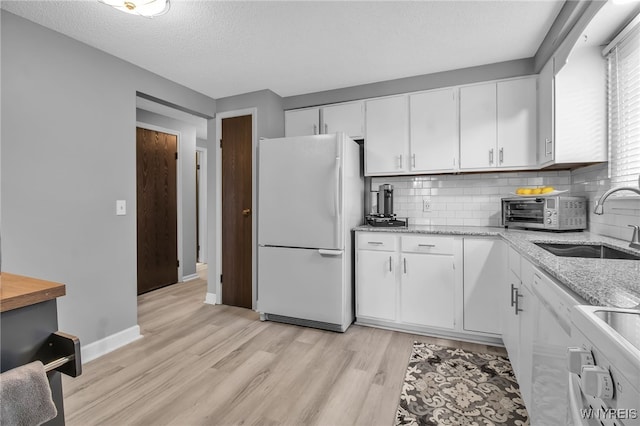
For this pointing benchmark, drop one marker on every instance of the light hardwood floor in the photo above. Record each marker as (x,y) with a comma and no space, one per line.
(200,364)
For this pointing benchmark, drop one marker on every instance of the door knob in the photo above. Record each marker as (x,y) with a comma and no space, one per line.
(246,212)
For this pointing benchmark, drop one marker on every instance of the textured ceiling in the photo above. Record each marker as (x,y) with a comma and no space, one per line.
(223,48)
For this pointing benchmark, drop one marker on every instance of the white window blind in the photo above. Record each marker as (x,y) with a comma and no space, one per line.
(623,98)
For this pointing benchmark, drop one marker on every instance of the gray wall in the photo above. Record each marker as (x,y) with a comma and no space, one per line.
(270,110)
(68,153)
(412,84)
(186,157)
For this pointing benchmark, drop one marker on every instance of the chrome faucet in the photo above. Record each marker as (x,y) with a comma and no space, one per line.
(600,203)
(635,239)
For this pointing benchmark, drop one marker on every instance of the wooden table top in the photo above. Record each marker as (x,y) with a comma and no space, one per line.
(17,291)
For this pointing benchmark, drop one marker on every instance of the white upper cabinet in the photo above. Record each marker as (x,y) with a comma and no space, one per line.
(498,125)
(347,118)
(387,136)
(478,126)
(434,131)
(579,109)
(302,122)
(517,121)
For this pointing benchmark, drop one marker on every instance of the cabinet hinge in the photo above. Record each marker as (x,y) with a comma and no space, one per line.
(220,143)
(176,155)
(178,263)
(220,278)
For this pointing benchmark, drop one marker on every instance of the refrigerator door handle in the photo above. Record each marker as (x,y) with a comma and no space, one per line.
(338,194)
(326,252)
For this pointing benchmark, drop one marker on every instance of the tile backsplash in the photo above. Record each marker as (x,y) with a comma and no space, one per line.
(465,199)
(474,199)
(591,182)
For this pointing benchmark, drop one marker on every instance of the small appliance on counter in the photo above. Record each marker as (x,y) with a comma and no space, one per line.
(548,213)
(384,217)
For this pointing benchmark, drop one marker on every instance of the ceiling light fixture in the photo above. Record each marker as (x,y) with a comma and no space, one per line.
(146,8)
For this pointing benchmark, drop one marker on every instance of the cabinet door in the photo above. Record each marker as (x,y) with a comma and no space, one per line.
(347,118)
(478,126)
(302,122)
(484,279)
(517,121)
(387,129)
(433,131)
(527,302)
(427,290)
(546,111)
(509,321)
(376,284)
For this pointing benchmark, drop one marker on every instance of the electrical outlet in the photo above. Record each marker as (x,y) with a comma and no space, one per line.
(426,205)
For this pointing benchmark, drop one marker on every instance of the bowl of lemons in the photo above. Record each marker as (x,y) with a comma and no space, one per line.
(536,192)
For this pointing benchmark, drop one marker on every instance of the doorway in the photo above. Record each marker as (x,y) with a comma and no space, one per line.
(157,209)
(237,216)
(201,205)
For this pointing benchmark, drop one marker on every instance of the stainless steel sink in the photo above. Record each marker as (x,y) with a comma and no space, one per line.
(627,324)
(594,251)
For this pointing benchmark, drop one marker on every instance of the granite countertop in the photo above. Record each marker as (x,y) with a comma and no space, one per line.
(600,282)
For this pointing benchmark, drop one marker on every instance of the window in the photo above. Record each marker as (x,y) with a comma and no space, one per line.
(623,99)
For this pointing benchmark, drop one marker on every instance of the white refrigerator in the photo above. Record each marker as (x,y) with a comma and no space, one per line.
(310,196)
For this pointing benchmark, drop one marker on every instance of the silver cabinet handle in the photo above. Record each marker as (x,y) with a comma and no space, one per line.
(548,143)
(413,161)
(426,245)
(513,288)
(405,265)
(315,129)
(377,243)
(390,267)
(491,156)
(326,128)
(517,306)
(501,155)
(400,160)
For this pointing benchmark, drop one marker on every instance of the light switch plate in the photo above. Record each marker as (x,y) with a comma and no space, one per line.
(426,205)
(121,207)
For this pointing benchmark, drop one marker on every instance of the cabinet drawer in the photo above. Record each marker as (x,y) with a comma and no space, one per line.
(377,241)
(427,244)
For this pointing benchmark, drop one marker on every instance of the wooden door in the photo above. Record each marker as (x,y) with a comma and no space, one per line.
(236,211)
(157,214)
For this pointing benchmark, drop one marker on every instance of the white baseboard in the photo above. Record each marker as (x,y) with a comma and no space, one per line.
(110,343)
(189,277)
(210,299)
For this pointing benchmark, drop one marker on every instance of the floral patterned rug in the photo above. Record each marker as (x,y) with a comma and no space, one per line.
(449,386)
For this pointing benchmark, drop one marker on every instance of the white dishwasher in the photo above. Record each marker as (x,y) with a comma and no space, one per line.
(604,361)
(552,334)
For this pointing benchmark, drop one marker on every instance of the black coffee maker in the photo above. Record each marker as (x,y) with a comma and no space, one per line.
(384,215)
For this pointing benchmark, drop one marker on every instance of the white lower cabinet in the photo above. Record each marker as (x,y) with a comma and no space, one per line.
(414,282)
(376,270)
(484,276)
(427,290)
